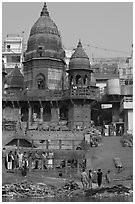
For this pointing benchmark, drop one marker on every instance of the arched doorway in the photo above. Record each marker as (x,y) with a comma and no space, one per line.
(47,113)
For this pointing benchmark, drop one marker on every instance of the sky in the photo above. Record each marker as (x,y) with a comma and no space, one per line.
(99,25)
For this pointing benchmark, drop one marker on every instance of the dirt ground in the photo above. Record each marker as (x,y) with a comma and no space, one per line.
(100,157)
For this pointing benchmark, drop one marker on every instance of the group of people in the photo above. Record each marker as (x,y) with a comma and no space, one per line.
(20,159)
(16,160)
(87,179)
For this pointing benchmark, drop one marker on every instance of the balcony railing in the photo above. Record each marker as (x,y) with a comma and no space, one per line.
(126,103)
(12,65)
(13,51)
(80,92)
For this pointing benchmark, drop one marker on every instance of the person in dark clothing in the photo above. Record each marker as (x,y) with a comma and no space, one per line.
(36,160)
(24,167)
(16,162)
(99,177)
(90,178)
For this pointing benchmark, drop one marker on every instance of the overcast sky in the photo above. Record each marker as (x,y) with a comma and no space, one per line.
(103,25)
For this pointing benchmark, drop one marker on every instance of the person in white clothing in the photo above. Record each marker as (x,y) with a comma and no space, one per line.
(20,159)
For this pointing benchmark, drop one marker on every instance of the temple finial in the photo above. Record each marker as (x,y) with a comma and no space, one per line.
(79,43)
(44,11)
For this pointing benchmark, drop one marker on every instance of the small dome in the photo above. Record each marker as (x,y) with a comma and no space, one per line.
(79,59)
(45,33)
(15,79)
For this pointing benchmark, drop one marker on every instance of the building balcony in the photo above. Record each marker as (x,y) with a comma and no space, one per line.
(82,93)
(12,65)
(13,51)
(126,103)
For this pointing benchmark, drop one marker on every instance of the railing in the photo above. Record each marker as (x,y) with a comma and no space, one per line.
(12,65)
(81,92)
(126,99)
(35,94)
(13,51)
(126,103)
(55,144)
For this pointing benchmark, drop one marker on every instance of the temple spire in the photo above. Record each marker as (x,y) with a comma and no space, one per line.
(44,11)
(79,43)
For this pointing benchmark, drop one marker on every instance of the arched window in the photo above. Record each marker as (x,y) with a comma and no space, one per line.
(41,81)
(85,80)
(71,80)
(78,80)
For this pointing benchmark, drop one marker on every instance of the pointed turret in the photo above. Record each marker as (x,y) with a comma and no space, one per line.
(79,43)
(15,79)
(79,52)
(44,11)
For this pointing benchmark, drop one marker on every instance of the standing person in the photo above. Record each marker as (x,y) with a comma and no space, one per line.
(36,160)
(10,159)
(24,166)
(99,177)
(107,177)
(84,179)
(90,178)
(44,160)
(120,131)
(20,159)
(4,155)
(16,163)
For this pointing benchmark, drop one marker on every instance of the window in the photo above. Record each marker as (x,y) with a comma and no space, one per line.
(40,51)
(126,82)
(130,82)
(13,59)
(78,79)
(71,80)
(85,80)
(41,81)
(8,47)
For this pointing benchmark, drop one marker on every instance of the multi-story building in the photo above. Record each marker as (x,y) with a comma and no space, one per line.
(12,52)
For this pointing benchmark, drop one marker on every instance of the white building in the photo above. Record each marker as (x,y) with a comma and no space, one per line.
(12,52)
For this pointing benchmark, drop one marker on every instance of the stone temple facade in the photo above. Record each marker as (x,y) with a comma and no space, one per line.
(43,94)
(49,96)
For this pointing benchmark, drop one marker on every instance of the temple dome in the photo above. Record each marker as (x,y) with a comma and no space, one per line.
(15,79)
(45,33)
(79,59)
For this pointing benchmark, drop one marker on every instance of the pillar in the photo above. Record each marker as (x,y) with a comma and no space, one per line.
(30,111)
(73,144)
(60,144)
(78,169)
(47,144)
(41,113)
(55,115)
(18,144)
(115,112)
(66,165)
